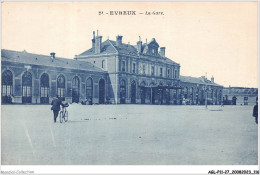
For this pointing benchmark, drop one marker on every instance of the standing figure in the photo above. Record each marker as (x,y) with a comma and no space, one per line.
(107,100)
(56,102)
(255,112)
(90,100)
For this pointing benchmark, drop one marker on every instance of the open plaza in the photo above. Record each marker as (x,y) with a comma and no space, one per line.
(129,135)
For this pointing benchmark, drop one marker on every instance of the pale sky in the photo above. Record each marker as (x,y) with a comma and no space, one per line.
(219,38)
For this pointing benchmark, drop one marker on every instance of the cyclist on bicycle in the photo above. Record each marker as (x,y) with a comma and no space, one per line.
(64,104)
(64,112)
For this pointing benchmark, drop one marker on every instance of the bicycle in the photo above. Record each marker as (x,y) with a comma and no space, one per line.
(64,115)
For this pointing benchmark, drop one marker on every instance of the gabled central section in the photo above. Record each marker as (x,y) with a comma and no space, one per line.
(118,47)
(151,48)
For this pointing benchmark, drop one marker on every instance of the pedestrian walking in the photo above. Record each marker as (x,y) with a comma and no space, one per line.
(255,112)
(56,102)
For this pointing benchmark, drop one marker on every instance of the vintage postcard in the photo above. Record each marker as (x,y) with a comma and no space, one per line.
(129,83)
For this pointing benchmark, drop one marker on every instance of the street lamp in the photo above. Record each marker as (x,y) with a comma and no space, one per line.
(206,96)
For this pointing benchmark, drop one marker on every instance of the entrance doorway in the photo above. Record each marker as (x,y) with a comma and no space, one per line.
(133,92)
(101,91)
(44,98)
(75,89)
(27,87)
(142,92)
(122,91)
(7,86)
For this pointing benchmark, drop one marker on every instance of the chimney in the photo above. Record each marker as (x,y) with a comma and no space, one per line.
(204,78)
(98,41)
(52,55)
(162,51)
(119,40)
(212,79)
(139,45)
(93,40)
(75,57)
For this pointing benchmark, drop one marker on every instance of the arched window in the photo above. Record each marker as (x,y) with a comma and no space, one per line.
(27,87)
(61,87)
(27,84)
(122,83)
(89,88)
(75,89)
(7,83)
(44,85)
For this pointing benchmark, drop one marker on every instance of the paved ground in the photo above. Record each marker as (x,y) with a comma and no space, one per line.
(130,135)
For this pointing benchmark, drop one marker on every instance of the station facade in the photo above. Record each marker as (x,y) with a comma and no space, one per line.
(109,72)
(240,96)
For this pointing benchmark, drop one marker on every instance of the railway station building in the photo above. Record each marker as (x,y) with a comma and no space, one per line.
(109,72)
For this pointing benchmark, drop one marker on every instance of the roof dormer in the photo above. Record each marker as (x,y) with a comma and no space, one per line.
(152,48)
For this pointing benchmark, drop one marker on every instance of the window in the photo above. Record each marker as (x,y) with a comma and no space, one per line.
(75,83)
(89,88)
(143,68)
(75,89)
(175,73)
(61,86)
(44,85)
(103,64)
(123,66)
(7,83)
(175,94)
(168,73)
(122,91)
(152,70)
(27,84)
(133,67)
(161,72)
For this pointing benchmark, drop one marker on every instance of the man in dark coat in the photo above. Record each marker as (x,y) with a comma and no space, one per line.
(255,112)
(56,102)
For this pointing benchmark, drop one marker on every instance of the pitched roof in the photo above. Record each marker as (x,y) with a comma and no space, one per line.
(44,60)
(110,47)
(197,80)
(107,47)
(240,90)
(125,48)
